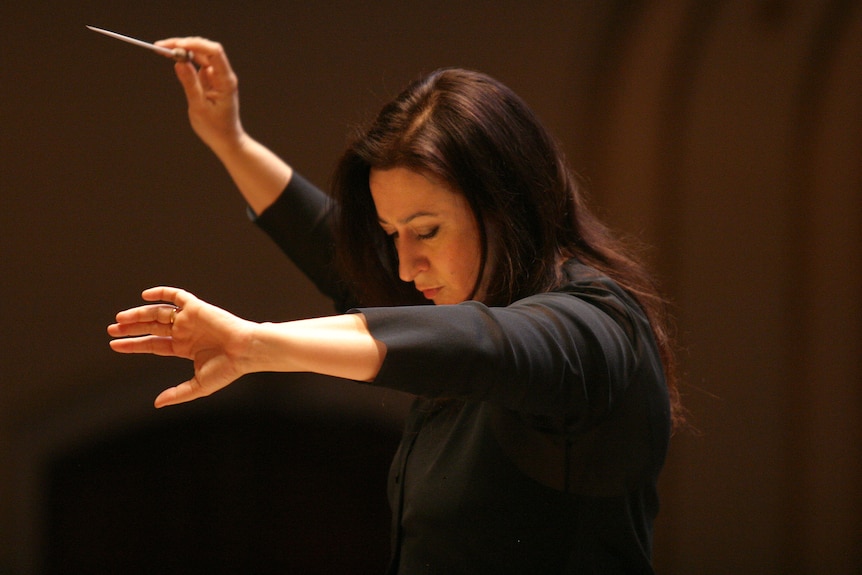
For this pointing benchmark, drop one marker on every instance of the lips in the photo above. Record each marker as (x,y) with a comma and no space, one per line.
(429,293)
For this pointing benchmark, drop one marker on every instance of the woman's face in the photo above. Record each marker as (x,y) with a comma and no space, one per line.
(434,230)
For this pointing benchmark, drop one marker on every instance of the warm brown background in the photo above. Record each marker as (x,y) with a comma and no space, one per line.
(728,135)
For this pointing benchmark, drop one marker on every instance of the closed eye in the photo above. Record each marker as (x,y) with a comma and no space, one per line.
(430,234)
(393,234)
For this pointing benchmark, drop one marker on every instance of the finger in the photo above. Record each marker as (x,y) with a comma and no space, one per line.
(176,296)
(186,391)
(121,330)
(150,344)
(187,74)
(218,64)
(156,319)
(164,314)
(203,48)
(195,82)
(190,81)
(210,57)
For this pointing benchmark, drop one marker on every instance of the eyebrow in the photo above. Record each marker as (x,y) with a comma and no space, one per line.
(410,218)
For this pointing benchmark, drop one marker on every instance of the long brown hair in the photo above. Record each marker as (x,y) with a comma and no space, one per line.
(476,135)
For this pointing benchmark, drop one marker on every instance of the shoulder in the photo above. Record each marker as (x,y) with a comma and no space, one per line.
(588,284)
(581,277)
(591,296)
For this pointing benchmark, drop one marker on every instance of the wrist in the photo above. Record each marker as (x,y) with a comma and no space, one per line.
(260,353)
(231,145)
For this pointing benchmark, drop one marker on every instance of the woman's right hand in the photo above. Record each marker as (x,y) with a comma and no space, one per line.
(211,90)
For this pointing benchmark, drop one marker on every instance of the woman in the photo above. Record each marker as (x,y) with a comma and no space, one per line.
(543,374)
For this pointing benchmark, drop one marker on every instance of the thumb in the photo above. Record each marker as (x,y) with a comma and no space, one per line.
(186,391)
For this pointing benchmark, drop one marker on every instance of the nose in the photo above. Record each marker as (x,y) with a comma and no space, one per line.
(411,260)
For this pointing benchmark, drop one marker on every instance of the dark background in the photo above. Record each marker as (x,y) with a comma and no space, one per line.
(726,135)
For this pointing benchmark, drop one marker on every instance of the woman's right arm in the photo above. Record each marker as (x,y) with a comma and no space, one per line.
(211,88)
(300,223)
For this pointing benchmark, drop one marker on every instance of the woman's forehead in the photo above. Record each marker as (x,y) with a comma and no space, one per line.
(401,195)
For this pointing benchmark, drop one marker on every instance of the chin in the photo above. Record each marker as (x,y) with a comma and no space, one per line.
(447,301)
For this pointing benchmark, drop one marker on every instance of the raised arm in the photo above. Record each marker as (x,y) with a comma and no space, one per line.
(224,347)
(211,88)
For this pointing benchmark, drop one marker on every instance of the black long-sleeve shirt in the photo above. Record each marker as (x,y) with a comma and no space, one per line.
(539,429)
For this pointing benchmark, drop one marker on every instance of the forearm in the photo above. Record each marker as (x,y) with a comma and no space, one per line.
(339,346)
(259,173)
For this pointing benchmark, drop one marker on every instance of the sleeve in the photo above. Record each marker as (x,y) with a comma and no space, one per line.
(300,223)
(570,354)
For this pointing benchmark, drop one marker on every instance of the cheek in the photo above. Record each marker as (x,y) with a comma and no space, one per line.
(464,264)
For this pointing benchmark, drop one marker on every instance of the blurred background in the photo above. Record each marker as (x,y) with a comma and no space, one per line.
(725,135)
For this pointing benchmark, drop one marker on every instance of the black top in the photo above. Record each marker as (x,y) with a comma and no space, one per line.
(539,430)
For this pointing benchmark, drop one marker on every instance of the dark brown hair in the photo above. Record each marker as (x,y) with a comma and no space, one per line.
(476,135)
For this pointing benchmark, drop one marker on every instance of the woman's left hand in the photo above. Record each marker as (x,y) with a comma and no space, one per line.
(181,325)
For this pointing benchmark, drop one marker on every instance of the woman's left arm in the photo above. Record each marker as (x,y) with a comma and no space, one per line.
(547,354)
